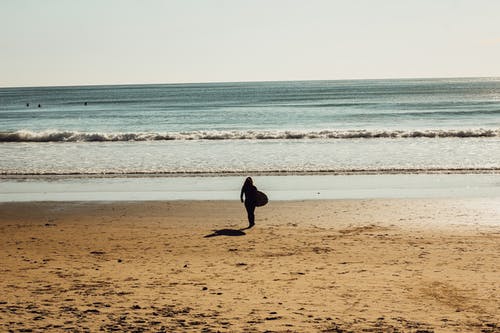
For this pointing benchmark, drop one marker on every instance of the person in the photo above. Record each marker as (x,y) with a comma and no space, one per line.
(250,192)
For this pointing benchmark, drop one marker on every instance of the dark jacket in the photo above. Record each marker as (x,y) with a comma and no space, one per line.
(250,192)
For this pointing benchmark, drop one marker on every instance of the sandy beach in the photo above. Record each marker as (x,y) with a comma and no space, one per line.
(382,265)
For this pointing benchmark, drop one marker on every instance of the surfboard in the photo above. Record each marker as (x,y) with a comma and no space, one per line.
(260,199)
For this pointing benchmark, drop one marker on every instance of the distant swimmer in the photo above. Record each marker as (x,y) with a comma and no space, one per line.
(39,105)
(27,105)
(85,103)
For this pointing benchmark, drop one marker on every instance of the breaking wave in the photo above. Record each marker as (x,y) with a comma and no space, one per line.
(75,136)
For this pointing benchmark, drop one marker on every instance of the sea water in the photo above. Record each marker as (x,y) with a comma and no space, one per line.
(359,127)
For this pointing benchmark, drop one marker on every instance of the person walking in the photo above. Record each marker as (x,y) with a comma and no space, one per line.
(250,192)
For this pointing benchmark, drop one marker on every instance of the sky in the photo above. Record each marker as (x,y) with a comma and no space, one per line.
(70,42)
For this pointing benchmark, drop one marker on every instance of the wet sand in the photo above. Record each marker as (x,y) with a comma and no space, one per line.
(392,265)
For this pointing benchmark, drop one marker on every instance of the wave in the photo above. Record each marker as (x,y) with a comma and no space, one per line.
(75,136)
(277,172)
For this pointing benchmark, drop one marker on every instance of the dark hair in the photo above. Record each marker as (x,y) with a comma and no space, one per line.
(248,181)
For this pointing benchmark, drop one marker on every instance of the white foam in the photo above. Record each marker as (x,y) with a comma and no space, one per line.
(76,136)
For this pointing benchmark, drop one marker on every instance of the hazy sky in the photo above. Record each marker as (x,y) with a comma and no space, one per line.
(64,42)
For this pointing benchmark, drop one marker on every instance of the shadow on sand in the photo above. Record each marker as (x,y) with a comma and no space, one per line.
(227,232)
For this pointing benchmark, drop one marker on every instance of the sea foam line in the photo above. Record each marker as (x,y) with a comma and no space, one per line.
(75,136)
(223,173)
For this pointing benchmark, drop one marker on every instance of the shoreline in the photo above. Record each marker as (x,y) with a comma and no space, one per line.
(321,265)
(326,172)
(278,188)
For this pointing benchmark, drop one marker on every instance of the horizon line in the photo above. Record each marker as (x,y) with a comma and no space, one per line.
(250,81)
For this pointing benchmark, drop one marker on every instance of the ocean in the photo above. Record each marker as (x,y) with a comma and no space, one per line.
(361,127)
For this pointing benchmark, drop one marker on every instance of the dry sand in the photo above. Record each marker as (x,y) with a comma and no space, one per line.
(309,266)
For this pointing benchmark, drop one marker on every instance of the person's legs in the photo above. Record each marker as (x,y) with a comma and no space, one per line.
(251,216)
